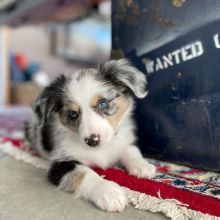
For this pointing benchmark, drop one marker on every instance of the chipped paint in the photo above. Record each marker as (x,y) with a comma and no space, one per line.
(131,13)
(177,3)
(158,17)
(179,74)
(117,54)
(178,147)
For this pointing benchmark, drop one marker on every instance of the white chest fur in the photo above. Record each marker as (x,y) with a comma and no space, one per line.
(101,157)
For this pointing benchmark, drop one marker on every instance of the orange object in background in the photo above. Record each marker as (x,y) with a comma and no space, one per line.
(21,61)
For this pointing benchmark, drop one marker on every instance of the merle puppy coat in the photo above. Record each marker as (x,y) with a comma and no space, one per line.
(85,120)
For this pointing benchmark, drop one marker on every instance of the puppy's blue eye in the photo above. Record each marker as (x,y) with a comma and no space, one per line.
(102,105)
(73,115)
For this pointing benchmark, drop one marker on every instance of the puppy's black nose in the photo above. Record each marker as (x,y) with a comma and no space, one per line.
(93,140)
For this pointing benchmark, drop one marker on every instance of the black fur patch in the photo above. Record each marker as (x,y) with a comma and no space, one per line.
(112,73)
(59,169)
(38,112)
(26,131)
(47,137)
(51,99)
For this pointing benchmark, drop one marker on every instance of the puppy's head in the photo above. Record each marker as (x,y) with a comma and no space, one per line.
(93,102)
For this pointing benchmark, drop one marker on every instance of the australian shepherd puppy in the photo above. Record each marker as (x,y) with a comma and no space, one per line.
(85,120)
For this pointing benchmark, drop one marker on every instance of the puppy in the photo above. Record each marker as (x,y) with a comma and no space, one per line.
(85,120)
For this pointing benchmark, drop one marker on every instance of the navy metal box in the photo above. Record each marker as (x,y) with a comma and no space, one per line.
(177,44)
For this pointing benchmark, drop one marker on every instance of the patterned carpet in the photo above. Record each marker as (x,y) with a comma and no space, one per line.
(179,192)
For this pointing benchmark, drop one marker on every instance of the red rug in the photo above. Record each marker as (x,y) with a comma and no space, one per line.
(179,192)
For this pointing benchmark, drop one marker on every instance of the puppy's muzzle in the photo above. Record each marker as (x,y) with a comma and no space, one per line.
(93,140)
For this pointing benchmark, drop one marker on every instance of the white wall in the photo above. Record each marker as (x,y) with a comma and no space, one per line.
(3,67)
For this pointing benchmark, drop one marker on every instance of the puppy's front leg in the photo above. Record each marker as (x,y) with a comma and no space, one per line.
(85,183)
(135,164)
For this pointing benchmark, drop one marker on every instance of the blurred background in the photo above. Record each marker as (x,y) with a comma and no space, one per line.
(180,118)
(42,39)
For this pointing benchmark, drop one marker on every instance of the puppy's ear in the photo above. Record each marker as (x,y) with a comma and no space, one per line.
(122,73)
(50,99)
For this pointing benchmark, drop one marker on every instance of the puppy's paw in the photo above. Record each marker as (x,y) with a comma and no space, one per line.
(141,168)
(110,197)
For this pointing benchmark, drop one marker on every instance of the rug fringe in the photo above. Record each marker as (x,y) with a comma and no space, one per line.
(20,155)
(171,208)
